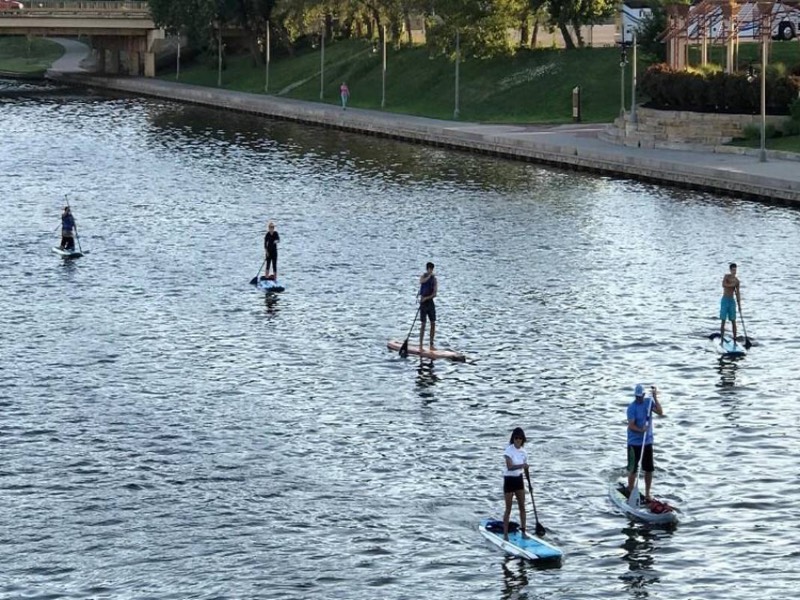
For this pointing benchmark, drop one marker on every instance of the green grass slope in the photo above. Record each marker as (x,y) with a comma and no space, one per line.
(535,86)
(17,56)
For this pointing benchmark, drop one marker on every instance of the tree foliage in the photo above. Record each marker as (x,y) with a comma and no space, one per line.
(483,26)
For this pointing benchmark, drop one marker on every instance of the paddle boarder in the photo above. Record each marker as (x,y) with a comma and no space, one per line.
(271,239)
(428,287)
(640,437)
(516,462)
(67,230)
(730,299)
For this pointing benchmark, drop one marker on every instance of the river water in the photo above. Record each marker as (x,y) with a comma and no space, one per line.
(169,432)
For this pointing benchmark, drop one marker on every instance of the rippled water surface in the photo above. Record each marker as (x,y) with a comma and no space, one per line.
(169,432)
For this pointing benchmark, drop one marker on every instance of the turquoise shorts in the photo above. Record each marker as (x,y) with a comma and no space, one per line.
(727,309)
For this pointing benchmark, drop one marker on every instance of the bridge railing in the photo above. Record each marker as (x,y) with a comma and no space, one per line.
(86,6)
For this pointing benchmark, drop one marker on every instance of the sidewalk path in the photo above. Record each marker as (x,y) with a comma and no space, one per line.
(75,53)
(569,146)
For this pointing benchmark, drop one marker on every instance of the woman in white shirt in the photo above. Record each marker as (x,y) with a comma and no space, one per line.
(513,485)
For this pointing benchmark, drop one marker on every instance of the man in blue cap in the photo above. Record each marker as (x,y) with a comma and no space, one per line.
(640,437)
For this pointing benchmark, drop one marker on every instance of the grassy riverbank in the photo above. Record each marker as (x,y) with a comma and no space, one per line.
(34,57)
(534,86)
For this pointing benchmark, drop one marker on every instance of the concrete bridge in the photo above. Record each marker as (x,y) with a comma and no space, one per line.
(122,33)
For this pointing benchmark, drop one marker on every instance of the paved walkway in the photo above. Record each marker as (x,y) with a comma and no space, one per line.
(75,53)
(569,146)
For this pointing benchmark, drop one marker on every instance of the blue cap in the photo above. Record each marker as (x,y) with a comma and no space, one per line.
(638,390)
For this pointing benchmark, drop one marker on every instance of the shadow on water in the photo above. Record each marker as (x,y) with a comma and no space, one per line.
(426,379)
(640,545)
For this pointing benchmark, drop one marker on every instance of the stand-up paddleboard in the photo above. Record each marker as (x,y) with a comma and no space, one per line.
(728,346)
(63,253)
(394,345)
(269,285)
(655,512)
(529,546)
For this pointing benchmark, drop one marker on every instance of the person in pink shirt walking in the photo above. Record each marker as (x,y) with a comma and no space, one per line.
(344,92)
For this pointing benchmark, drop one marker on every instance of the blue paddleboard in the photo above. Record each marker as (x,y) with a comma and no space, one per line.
(529,546)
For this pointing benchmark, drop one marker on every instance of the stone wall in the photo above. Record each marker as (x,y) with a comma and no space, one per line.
(671,128)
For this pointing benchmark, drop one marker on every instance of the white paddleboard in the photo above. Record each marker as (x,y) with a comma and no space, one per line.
(728,346)
(530,547)
(269,285)
(640,512)
(67,253)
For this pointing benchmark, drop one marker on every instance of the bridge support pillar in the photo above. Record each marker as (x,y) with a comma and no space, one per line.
(149,64)
(134,58)
(112,66)
(100,59)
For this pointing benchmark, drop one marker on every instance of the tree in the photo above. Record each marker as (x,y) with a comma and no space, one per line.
(576,13)
(482,26)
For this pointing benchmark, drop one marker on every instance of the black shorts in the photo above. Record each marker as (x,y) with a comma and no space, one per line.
(427,310)
(635,452)
(512,484)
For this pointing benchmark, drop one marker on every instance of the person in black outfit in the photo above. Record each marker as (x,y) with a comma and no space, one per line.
(271,240)
(67,230)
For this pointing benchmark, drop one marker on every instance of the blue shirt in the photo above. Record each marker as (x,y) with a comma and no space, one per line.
(639,412)
(426,289)
(67,222)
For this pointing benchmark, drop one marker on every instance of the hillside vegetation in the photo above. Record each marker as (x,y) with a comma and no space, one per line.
(534,86)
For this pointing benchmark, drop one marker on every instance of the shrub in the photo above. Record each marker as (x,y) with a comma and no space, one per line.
(794,110)
(714,91)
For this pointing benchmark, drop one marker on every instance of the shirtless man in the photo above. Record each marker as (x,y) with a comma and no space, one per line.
(727,306)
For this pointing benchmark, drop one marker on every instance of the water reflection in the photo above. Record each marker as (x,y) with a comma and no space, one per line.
(426,379)
(515,579)
(727,368)
(271,303)
(639,547)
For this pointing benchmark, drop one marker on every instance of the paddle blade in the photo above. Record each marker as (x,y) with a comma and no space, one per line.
(254,280)
(633,499)
(540,530)
(403,352)
(747,343)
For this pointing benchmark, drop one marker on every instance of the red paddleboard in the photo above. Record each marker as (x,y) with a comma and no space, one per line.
(414,349)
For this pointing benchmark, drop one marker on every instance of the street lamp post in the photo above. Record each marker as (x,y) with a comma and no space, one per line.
(634,116)
(458,62)
(266,59)
(383,80)
(623,62)
(762,156)
(219,54)
(322,62)
(178,61)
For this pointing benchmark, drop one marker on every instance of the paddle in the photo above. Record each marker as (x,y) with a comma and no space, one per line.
(254,280)
(747,342)
(78,239)
(403,352)
(633,498)
(540,530)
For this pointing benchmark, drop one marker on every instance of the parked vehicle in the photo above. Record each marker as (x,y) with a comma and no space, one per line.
(11,5)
